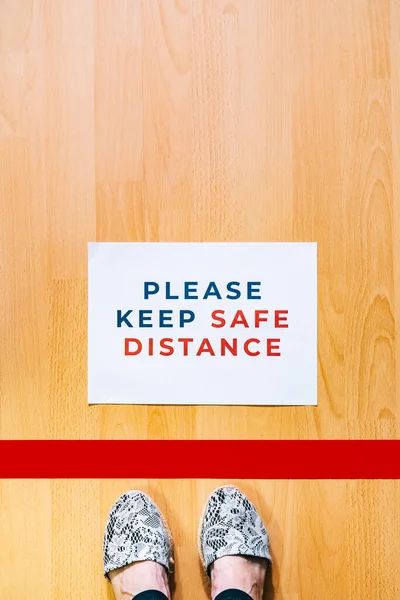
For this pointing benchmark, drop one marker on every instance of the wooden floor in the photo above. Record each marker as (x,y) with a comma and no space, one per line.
(200,120)
(334,540)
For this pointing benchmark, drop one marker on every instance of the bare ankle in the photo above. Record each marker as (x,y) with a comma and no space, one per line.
(238,572)
(139,577)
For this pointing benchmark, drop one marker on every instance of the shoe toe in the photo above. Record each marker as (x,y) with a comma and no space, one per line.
(231,525)
(136,531)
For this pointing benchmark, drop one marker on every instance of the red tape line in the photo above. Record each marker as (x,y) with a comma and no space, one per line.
(209,459)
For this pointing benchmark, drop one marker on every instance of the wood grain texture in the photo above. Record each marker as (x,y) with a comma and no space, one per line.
(329,539)
(200,120)
(179,121)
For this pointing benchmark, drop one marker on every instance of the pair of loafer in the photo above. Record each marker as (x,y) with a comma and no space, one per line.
(137,531)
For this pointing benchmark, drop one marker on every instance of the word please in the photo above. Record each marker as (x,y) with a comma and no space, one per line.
(190,291)
(165,318)
(189,347)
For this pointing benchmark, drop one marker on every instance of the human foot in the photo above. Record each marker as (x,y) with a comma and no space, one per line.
(246,573)
(137,548)
(233,543)
(138,577)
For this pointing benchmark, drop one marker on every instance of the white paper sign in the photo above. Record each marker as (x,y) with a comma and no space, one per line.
(203,323)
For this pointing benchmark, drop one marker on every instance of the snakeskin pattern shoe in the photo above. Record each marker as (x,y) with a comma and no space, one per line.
(136,531)
(231,525)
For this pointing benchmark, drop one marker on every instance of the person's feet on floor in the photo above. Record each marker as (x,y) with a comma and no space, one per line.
(234,544)
(137,547)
